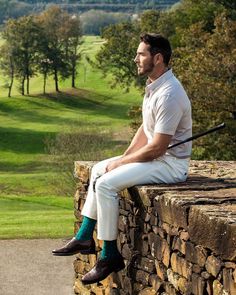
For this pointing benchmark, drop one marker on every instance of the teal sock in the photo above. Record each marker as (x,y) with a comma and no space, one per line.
(86,229)
(109,250)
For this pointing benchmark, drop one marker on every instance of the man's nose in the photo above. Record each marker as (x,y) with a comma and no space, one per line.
(136,59)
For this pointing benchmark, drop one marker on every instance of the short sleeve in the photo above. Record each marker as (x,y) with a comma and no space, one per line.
(168,113)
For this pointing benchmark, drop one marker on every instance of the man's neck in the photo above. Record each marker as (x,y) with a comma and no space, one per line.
(153,76)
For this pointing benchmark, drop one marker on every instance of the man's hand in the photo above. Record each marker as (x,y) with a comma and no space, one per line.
(149,152)
(113,165)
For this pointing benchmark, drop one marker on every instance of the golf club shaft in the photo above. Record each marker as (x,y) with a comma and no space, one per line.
(216,128)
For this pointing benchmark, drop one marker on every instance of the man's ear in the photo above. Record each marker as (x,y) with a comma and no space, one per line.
(158,58)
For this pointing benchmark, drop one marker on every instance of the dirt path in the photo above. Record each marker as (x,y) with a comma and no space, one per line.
(27,267)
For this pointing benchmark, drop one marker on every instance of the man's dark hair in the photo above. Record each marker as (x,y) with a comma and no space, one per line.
(158,44)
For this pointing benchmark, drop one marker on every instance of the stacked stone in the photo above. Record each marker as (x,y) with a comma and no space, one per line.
(175,239)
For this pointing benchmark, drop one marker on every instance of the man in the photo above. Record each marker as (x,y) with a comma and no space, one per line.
(166,120)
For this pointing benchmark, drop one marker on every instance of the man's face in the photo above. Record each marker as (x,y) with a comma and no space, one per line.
(144,60)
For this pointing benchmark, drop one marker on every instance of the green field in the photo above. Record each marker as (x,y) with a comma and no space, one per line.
(36,217)
(30,205)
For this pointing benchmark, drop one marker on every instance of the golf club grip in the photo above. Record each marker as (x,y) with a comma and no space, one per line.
(216,128)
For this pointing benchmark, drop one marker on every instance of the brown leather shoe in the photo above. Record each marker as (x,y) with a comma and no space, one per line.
(75,246)
(102,269)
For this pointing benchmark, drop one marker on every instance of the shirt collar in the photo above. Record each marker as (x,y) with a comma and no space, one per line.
(158,82)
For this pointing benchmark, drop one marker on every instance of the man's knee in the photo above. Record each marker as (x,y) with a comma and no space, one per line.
(101,185)
(96,170)
(104,189)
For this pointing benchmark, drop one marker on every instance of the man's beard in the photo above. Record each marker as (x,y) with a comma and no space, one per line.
(146,70)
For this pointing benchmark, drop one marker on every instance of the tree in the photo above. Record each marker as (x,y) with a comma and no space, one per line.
(71,35)
(227,3)
(44,65)
(21,37)
(149,21)
(117,54)
(7,66)
(59,47)
(207,67)
(173,22)
(64,46)
(52,48)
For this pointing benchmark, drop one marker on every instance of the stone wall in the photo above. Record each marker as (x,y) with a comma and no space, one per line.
(176,239)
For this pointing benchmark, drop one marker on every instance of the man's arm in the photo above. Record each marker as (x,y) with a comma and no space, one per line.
(139,140)
(148,152)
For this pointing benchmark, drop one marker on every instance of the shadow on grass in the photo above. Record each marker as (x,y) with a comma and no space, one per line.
(33,142)
(85,99)
(23,140)
(95,105)
(30,143)
(23,114)
(29,167)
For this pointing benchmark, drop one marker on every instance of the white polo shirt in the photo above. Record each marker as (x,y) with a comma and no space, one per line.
(167,109)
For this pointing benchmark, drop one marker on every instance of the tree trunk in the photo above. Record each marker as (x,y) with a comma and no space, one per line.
(23,86)
(56,80)
(11,83)
(73,76)
(44,82)
(27,85)
(74,59)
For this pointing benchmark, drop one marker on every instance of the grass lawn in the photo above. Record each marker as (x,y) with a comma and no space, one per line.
(30,206)
(36,217)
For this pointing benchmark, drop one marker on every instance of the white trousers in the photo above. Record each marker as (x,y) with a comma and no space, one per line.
(103,203)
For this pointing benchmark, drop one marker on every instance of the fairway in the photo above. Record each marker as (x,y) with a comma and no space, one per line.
(27,123)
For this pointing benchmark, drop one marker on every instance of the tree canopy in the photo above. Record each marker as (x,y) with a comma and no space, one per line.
(203,37)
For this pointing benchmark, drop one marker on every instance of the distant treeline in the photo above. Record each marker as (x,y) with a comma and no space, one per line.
(14,8)
(146,3)
(126,7)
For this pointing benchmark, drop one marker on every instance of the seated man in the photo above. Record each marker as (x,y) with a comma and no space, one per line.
(166,120)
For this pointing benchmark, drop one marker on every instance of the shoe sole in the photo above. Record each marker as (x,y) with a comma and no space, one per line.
(84,252)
